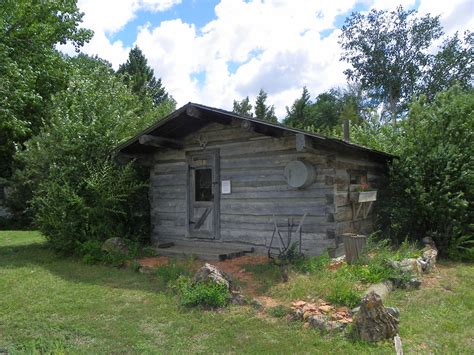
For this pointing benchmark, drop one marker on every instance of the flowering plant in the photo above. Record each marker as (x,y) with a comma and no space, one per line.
(363,187)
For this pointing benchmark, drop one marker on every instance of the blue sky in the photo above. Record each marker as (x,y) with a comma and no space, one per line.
(215,51)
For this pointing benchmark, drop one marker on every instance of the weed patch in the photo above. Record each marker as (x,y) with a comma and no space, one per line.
(279,311)
(170,273)
(206,294)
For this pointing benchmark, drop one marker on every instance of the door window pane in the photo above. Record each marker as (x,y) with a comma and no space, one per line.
(203,184)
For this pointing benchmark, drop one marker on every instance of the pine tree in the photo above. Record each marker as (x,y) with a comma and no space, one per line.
(243,107)
(141,78)
(298,114)
(262,111)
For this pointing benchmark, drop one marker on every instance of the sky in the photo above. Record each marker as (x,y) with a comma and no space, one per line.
(213,52)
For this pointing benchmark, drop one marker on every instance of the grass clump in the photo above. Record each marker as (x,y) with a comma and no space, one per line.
(343,293)
(170,273)
(279,311)
(267,274)
(311,264)
(92,253)
(206,294)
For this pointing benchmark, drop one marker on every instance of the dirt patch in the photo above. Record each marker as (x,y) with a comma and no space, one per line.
(235,267)
(268,302)
(153,262)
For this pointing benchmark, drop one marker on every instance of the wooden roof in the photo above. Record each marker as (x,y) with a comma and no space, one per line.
(169,131)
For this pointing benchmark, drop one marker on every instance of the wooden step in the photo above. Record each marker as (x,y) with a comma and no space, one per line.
(214,254)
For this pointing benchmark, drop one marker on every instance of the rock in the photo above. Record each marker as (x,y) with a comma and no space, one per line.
(211,273)
(394,311)
(429,259)
(297,314)
(326,309)
(374,322)
(382,289)
(298,304)
(429,241)
(323,323)
(413,284)
(237,298)
(255,303)
(115,245)
(411,265)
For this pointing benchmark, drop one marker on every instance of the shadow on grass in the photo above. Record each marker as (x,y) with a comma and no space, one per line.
(71,269)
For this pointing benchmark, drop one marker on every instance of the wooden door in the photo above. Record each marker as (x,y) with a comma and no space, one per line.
(203,194)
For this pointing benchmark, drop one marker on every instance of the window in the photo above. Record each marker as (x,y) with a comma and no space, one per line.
(357,177)
(203,184)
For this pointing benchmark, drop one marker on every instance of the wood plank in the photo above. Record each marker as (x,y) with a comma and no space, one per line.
(155,141)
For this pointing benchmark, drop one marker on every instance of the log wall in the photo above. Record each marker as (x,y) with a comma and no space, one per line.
(255,165)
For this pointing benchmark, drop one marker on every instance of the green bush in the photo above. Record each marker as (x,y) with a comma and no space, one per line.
(432,184)
(206,294)
(92,253)
(343,293)
(75,190)
(431,189)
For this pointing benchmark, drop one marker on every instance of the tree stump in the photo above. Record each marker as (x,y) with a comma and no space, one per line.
(374,322)
(354,246)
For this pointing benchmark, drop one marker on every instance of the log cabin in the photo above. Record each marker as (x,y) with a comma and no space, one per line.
(222,184)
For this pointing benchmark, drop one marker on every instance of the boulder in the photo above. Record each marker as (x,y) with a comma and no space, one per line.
(429,259)
(374,322)
(382,289)
(115,245)
(211,273)
(324,323)
(297,314)
(237,298)
(255,303)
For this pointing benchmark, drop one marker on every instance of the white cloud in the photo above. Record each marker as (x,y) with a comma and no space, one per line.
(285,36)
(455,15)
(106,17)
(275,45)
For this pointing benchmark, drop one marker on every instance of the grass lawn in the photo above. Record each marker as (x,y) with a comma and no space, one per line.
(57,305)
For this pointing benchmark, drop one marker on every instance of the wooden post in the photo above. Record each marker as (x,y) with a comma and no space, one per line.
(354,246)
(346,130)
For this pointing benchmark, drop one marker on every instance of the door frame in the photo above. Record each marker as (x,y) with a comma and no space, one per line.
(216,190)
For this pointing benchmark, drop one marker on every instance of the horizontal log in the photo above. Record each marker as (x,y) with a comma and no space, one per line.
(155,141)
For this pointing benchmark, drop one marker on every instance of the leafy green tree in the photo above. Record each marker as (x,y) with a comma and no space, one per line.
(262,110)
(453,64)
(77,194)
(31,69)
(431,190)
(138,75)
(388,52)
(243,107)
(327,111)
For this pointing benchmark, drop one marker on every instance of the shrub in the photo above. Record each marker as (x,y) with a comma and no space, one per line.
(343,293)
(206,294)
(77,193)
(432,184)
(135,265)
(92,253)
